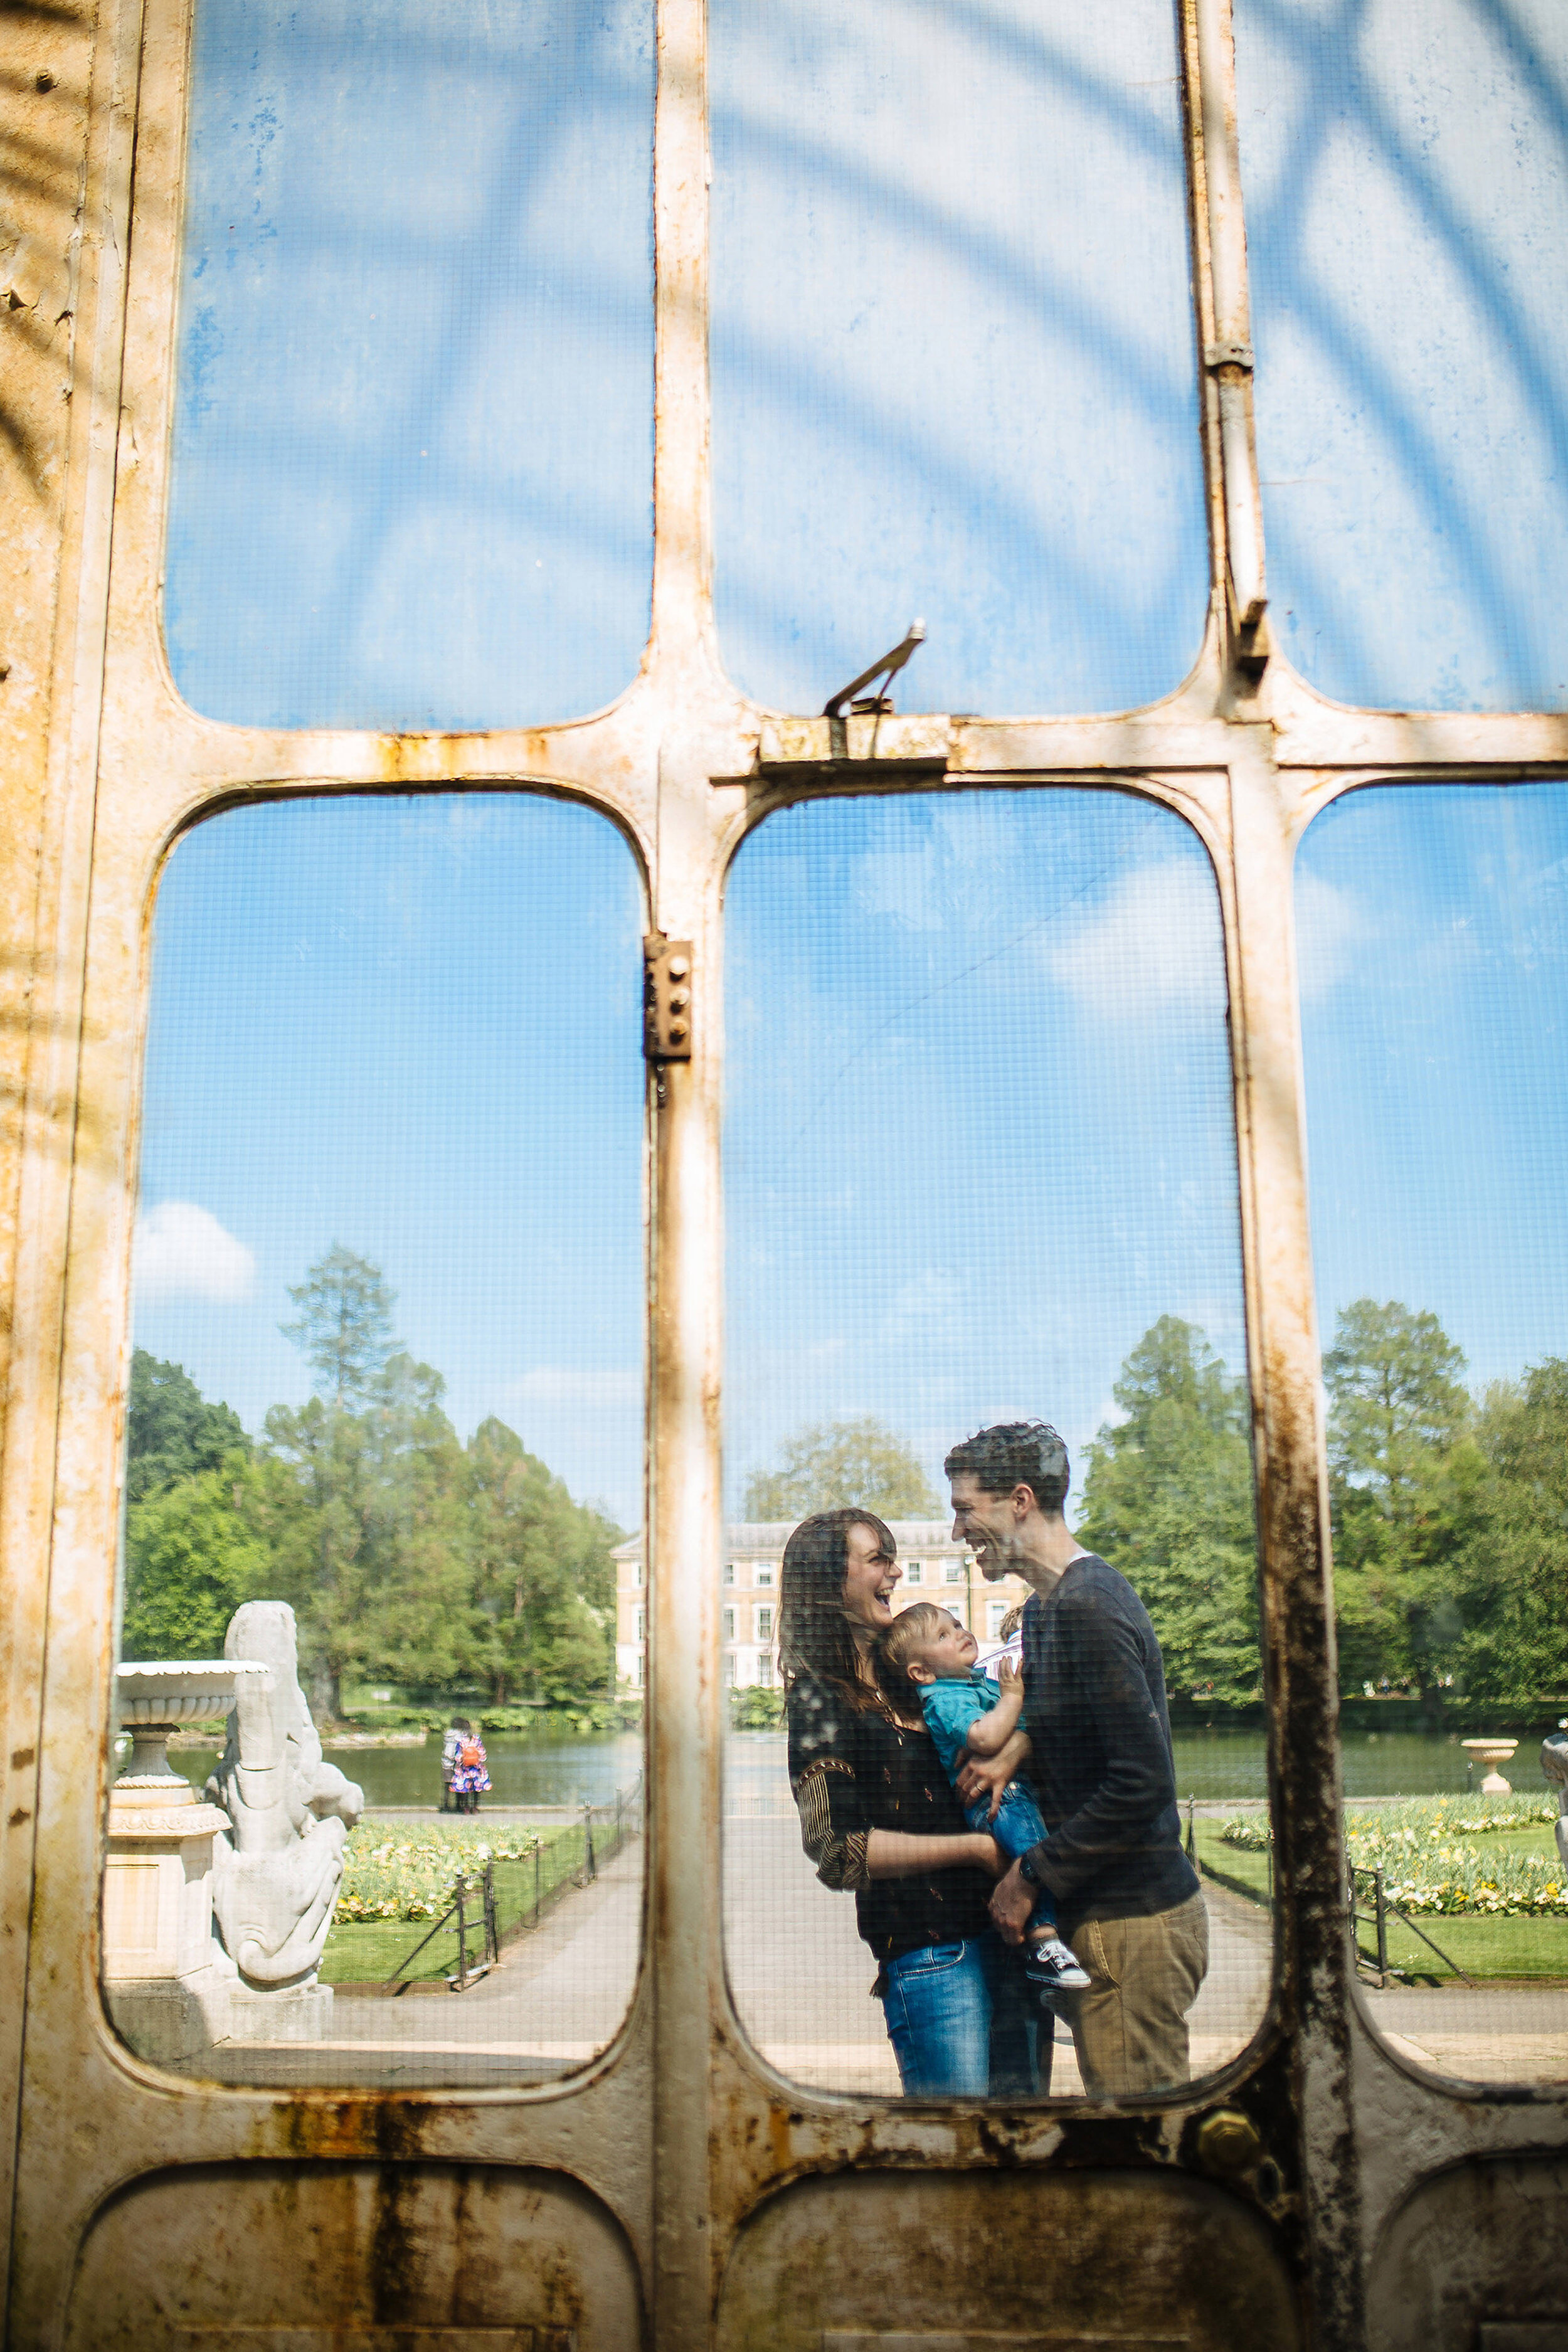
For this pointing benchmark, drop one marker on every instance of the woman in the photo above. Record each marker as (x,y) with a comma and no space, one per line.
(876,1814)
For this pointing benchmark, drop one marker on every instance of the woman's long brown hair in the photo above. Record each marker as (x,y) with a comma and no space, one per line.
(814,1636)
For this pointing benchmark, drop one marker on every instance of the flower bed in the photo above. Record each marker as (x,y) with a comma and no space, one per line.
(410,1873)
(1428,1865)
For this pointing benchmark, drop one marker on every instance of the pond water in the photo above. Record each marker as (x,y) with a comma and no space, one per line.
(1209,1764)
(522,1771)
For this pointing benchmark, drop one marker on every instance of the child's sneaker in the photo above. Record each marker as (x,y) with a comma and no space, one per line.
(1052,1966)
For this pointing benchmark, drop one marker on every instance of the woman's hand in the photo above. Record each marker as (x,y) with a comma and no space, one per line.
(985,1776)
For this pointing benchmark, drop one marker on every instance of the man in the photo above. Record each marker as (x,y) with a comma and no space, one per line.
(1094,1707)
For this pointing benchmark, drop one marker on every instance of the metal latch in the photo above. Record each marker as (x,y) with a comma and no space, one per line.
(667,998)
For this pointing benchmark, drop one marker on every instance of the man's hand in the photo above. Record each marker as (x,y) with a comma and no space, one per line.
(983,1776)
(1010,1904)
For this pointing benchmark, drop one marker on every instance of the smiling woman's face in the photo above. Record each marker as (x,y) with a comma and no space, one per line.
(869,1576)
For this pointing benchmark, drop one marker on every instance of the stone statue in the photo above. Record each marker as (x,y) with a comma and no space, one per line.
(275,1874)
(1554,1764)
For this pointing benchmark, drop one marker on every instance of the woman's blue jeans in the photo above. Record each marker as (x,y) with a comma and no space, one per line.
(962,2024)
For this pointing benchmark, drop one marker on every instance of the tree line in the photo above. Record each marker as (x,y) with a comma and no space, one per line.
(1449,1511)
(405,1555)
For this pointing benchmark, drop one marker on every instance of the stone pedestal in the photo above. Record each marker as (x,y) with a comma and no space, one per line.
(163,1973)
(171,1989)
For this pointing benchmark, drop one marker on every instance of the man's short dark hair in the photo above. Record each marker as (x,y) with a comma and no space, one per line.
(1016,1453)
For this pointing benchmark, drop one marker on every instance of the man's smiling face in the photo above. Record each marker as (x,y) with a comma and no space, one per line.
(988,1524)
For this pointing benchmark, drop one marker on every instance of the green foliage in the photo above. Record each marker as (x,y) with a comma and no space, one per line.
(192,1556)
(839,1463)
(1513,1575)
(753,1708)
(1167,1500)
(171,1429)
(408,1557)
(1408,1489)
(345,1324)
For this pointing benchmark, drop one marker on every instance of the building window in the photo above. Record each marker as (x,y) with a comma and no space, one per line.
(642,1624)
(994,1613)
(636,1672)
(729,1672)
(913,1572)
(765,1573)
(764,1624)
(952,1571)
(728,1624)
(637,1572)
(728,1571)
(766,1672)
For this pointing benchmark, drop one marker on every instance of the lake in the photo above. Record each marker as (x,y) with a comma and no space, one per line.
(1209,1764)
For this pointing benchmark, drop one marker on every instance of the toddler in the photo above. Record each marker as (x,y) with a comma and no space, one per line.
(928,1653)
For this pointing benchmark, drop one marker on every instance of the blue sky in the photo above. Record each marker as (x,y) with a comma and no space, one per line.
(978,1124)
(1434,925)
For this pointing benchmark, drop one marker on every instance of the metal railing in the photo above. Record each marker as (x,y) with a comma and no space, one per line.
(615,1822)
(1376,1919)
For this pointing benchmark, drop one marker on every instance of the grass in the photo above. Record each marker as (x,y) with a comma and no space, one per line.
(366,1952)
(1490,1950)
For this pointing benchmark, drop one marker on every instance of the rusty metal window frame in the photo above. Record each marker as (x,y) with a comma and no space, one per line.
(678,2128)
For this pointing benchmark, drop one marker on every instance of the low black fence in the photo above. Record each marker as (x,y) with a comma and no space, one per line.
(1376,1916)
(473,1914)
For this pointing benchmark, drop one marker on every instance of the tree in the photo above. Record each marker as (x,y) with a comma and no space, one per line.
(542,1579)
(345,1324)
(1513,1575)
(1167,1500)
(171,1429)
(1407,1487)
(192,1556)
(364,1518)
(839,1463)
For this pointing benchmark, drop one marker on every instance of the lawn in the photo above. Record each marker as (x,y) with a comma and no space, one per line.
(416,1868)
(1486,1948)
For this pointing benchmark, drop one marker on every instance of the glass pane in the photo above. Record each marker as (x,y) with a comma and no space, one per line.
(383,1444)
(413,441)
(980,1165)
(1434,933)
(1406,171)
(953,352)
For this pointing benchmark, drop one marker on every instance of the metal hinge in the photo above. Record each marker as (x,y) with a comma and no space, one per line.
(667,998)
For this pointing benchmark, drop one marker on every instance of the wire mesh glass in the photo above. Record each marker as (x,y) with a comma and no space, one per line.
(1434,940)
(384,1444)
(412,443)
(981,1169)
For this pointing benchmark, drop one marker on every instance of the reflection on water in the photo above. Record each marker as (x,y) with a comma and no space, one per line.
(522,1771)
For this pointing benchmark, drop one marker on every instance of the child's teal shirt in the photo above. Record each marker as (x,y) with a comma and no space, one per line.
(951,1708)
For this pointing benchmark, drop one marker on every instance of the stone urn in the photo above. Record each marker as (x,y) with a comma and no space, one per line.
(159,1952)
(1493,1754)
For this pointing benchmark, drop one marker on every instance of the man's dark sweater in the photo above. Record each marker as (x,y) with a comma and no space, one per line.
(1094,1708)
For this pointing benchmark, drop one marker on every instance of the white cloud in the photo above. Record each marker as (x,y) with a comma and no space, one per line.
(1328,923)
(183,1252)
(1154,942)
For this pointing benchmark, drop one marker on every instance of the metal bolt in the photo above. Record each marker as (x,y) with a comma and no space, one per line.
(43,80)
(679,966)
(1228,2143)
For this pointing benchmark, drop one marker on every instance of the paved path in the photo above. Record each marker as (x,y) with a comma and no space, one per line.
(801,1981)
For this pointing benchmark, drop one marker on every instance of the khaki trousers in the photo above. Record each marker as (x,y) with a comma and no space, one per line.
(1130,2027)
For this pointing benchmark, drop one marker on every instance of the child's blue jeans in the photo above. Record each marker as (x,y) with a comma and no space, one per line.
(1017,1827)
